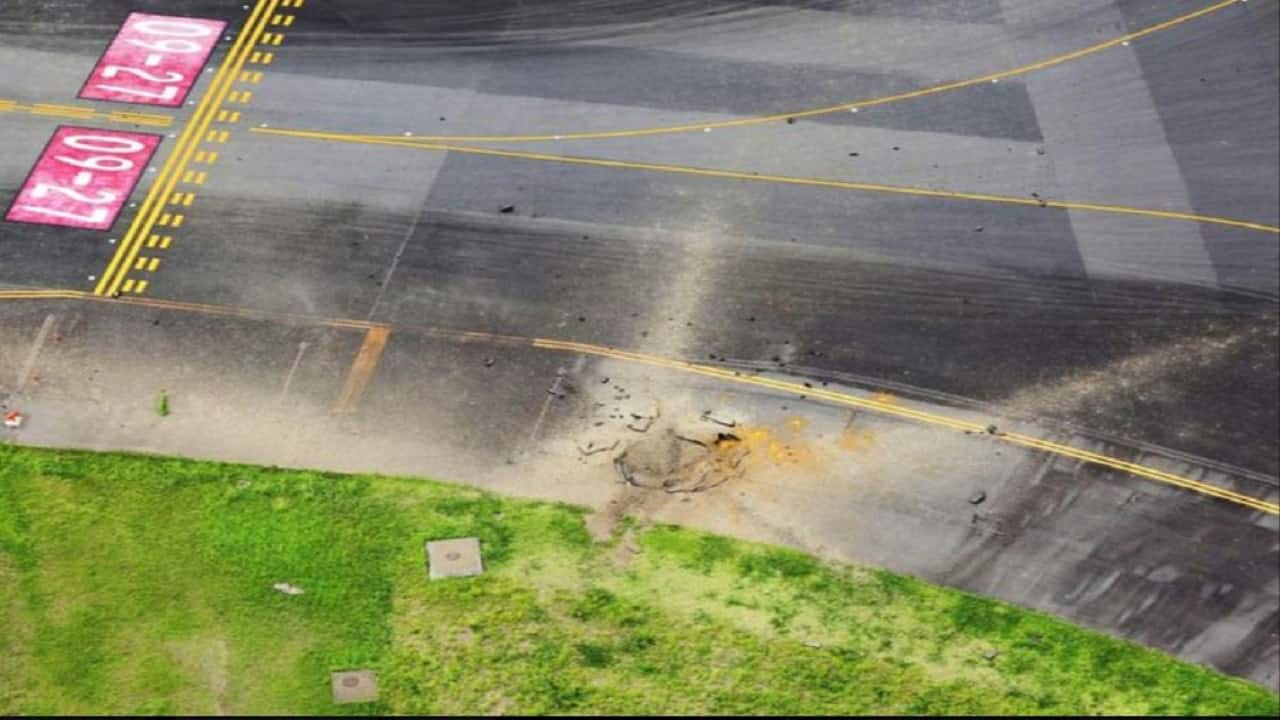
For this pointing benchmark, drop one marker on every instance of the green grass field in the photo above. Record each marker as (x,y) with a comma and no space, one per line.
(143,585)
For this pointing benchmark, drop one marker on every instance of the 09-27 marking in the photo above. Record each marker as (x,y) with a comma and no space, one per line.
(83,178)
(154,60)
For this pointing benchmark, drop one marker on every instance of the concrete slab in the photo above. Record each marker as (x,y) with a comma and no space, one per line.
(459,557)
(354,686)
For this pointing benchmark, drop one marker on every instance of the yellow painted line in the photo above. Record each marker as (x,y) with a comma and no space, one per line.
(153,241)
(780,179)
(128,285)
(288,20)
(181,155)
(63,110)
(375,341)
(84,113)
(165,241)
(177,221)
(141,287)
(140,118)
(376,336)
(846,106)
(153,264)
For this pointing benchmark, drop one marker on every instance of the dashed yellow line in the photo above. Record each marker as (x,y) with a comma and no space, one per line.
(854,105)
(152,212)
(875,404)
(779,179)
(74,112)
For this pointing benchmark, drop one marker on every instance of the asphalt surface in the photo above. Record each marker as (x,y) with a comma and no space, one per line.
(1153,336)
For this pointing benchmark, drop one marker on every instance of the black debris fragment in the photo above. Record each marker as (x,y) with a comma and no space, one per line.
(977,498)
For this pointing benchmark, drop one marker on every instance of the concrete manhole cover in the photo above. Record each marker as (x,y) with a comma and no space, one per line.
(459,557)
(354,686)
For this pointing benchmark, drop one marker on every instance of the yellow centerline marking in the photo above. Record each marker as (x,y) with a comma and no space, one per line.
(85,113)
(846,106)
(374,341)
(152,205)
(778,179)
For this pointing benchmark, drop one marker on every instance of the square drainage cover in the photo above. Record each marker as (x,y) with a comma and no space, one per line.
(454,558)
(354,686)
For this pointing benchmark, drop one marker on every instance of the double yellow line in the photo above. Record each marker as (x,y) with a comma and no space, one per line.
(162,189)
(75,112)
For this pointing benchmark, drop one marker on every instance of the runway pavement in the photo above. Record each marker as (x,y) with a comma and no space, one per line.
(1058,217)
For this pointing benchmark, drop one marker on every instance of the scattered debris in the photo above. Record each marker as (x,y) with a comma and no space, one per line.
(711,417)
(287,589)
(507,209)
(162,404)
(488,362)
(978,229)
(642,423)
(624,472)
(14,419)
(791,121)
(678,464)
(990,655)
(593,449)
(992,429)
(812,644)
(977,498)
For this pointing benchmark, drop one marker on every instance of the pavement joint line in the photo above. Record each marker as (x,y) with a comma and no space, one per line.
(777,179)
(874,403)
(209,104)
(853,106)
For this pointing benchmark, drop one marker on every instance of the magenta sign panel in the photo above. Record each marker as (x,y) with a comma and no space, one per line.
(83,178)
(154,60)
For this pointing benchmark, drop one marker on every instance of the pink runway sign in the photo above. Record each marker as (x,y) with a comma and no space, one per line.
(83,178)
(154,60)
